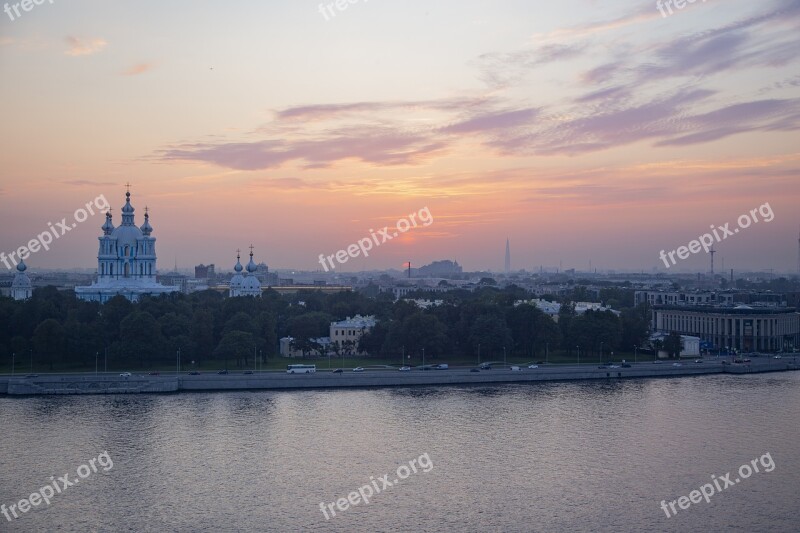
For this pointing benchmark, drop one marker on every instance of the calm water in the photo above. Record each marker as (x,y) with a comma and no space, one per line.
(541,457)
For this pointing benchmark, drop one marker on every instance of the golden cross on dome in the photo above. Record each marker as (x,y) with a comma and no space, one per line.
(237,253)
(128,187)
(251,250)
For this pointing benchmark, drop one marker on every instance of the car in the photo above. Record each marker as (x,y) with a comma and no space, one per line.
(698,360)
(626,365)
(125,375)
(515,369)
(485,366)
(738,360)
(358,369)
(154,373)
(247,372)
(777,357)
(726,362)
(533,366)
(603,367)
(746,360)
(677,364)
(657,362)
(338,371)
(194,373)
(442,366)
(405,369)
(614,366)
(222,372)
(474,370)
(32,376)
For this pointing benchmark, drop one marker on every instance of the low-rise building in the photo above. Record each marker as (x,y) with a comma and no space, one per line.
(743,328)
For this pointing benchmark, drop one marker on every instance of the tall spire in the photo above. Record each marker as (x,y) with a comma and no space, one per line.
(146,228)
(251,266)
(127,210)
(508,256)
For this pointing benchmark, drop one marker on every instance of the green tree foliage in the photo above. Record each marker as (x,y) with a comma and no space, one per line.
(673,344)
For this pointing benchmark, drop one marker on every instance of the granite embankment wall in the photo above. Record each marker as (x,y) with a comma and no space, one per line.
(115,384)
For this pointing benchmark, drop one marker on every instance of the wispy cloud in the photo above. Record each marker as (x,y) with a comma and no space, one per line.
(87,183)
(139,68)
(83,47)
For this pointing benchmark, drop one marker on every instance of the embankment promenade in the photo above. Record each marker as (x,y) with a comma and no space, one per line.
(90,383)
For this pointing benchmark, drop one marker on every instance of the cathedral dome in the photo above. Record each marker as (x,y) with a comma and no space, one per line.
(251,284)
(127,236)
(146,228)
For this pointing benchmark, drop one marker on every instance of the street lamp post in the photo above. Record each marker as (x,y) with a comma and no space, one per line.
(31,350)
(635,350)
(96,356)
(178,362)
(105,362)
(504,356)
(579,354)
(546,352)
(423,358)
(13,358)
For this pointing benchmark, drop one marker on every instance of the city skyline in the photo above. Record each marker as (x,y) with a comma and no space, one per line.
(582,133)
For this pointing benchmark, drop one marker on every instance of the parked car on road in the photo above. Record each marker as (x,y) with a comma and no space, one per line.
(338,371)
(442,366)
(358,369)
(533,366)
(222,372)
(405,369)
(515,369)
(125,375)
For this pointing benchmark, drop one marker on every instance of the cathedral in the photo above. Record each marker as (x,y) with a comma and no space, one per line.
(246,284)
(126,261)
(21,288)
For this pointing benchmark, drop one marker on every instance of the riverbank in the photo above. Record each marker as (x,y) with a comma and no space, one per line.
(49,384)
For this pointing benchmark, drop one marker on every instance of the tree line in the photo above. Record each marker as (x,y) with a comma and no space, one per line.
(61,331)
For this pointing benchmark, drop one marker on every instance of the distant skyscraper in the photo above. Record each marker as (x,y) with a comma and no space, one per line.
(508,256)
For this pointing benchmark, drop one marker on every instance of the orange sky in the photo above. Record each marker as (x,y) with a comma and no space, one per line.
(581,131)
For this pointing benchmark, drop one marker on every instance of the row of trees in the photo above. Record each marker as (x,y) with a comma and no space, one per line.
(63,331)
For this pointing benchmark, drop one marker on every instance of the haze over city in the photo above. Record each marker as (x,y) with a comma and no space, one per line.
(582,131)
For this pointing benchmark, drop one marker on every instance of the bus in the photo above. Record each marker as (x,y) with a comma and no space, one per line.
(301,369)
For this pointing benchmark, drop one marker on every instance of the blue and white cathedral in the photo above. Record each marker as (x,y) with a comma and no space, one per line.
(126,261)
(246,284)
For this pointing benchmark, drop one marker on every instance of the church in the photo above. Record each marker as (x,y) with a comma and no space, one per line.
(126,260)
(246,284)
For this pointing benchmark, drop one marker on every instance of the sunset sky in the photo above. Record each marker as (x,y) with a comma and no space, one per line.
(581,130)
